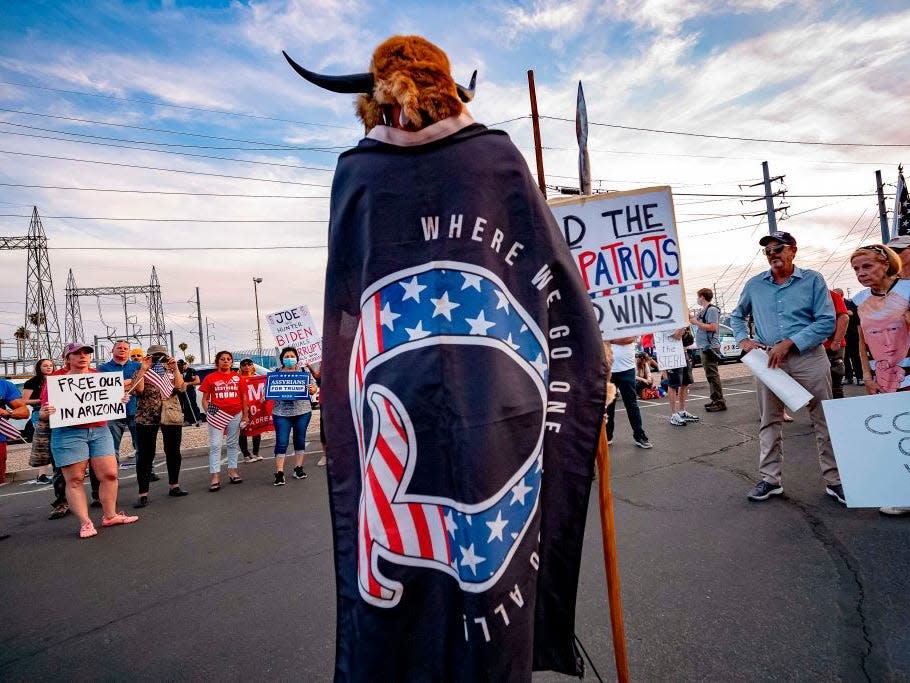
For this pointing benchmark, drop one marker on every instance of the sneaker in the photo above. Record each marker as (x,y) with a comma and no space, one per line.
(119,518)
(321,461)
(859,381)
(60,511)
(87,530)
(248,458)
(836,491)
(256,458)
(154,476)
(43,479)
(894,511)
(688,417)
(279,479)
(716,407)
(764,490)
(299,473)
(643,443)
(127,465)
(609,442)
(677,421)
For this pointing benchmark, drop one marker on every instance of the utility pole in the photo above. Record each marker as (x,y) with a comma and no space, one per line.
(770,210)
(882,214)
(256,282)
(199,320)
(209,337)
(535,125)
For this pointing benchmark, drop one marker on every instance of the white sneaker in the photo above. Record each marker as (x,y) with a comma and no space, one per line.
(677,421)
(321,461)
(687,416)
(894,511)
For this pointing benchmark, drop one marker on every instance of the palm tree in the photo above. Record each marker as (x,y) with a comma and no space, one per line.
(190,358)
(183,346)
(21,334)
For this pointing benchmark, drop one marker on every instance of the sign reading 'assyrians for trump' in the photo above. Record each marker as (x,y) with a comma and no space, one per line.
(295,327)
(90,397)
(626,247)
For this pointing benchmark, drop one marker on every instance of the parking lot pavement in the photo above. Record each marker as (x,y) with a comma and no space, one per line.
(239,584)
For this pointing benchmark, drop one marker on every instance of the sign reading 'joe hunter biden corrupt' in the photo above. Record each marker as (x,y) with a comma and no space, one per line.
(626,247)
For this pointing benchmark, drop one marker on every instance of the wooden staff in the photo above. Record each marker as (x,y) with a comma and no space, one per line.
(611,562)
(535,123)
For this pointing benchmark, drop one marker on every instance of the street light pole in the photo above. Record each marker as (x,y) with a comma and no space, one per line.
(256,281)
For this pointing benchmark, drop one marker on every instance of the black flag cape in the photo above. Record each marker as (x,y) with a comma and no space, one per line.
(463,388)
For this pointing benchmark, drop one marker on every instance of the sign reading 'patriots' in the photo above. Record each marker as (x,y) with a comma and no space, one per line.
(462,388)
(626,247)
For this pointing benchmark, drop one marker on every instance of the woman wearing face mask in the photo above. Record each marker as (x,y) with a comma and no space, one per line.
(288,416)
(222,404)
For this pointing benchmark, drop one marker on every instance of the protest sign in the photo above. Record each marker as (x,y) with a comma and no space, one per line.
(287,386)
(792,393)
(295,327)
(670,352)
(626,246)
(91,397)
(260,410)
(871,440)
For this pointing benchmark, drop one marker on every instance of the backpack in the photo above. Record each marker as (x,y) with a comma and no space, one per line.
(702,317)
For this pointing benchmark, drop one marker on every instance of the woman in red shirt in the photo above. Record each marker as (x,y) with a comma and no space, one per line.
(222,403)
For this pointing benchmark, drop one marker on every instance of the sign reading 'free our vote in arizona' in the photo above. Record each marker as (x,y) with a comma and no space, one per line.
(626,247)
(90,397)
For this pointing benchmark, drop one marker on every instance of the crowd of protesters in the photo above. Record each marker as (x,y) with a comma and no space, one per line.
(816,335)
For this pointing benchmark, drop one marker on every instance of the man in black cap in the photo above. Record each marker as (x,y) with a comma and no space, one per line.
(793,316)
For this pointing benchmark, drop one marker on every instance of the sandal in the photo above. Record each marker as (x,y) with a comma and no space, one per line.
(215,487)
(235,480)
(87,530)
(119,518)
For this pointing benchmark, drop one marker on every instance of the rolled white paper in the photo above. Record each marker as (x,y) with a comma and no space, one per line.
(787,389)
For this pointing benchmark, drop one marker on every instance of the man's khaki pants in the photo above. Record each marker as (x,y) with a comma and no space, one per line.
(813,371)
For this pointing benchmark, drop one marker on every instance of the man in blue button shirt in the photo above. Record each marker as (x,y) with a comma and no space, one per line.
(793,315)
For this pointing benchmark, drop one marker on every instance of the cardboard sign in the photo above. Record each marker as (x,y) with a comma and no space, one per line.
(626,247)
(670,352)
(90,397)
(295,327)
(260,409)
(287,386)
(871,440)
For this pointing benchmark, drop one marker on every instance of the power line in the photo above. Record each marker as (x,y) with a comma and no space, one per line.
(144,248)
(154,168)
(732,137)
(170,220)
(163,192)
(176,106)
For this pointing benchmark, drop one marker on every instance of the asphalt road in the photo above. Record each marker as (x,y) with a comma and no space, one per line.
(238,585)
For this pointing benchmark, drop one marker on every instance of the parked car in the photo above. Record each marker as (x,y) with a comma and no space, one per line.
(729,349)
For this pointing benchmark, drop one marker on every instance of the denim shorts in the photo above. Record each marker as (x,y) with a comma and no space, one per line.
(77,444)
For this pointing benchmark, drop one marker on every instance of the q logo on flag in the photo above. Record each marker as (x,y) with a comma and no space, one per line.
(450,439)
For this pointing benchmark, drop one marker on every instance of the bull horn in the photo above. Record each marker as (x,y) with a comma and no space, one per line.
(351,83)
(464,94)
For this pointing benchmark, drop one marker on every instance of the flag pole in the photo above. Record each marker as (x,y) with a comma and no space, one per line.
(611,560)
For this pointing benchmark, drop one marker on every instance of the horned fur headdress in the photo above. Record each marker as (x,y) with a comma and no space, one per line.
(409,85)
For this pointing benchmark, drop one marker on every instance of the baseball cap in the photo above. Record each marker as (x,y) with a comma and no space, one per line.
(72,347)
(779,236)
(900,242)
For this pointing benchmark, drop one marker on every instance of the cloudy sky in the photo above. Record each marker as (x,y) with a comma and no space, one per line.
(186,113)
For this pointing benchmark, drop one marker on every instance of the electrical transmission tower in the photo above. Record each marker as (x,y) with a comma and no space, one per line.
(41,321)
(152,292)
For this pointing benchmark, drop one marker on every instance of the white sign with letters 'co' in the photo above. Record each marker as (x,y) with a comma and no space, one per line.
(295,327)
(626,247)
(89,397)
(871,439)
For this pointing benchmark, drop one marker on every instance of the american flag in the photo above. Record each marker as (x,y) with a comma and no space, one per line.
(473,543)
(219,419)
(901,206)
(159,378)
(9,430)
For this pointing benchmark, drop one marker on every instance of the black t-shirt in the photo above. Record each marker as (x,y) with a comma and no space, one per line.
(36,384)
(188,376)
